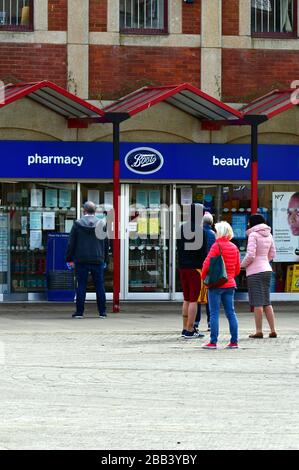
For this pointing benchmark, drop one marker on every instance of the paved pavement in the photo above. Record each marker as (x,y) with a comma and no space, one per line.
(130,382)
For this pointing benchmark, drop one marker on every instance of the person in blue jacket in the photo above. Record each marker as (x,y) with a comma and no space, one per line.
(207,221)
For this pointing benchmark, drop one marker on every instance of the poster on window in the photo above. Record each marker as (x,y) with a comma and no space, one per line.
(35,239)
(4,233)
(186,196)
(286,225)
(65,197)
(94,196)
(48,220)
(35,220)
(51,198)
(36,197)
(239,225)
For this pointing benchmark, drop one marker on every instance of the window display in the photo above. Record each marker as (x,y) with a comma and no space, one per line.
(101,194)
(148,239)
(31,213)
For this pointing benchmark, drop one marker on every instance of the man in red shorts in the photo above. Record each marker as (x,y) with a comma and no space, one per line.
(192,251)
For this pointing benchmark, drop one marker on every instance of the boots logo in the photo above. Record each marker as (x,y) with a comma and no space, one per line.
(144,160)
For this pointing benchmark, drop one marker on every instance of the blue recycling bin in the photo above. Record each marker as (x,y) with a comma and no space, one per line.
(60,280)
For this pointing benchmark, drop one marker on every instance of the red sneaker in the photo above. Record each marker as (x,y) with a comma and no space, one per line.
(232,346)
(209,346)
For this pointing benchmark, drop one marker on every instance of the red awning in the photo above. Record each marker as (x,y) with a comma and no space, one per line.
(185,97)
(275,102)
(52,96)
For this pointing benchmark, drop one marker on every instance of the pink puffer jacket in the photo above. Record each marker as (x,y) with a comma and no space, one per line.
(260,250)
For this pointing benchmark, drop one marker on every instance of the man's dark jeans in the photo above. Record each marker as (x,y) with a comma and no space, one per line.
(97,273)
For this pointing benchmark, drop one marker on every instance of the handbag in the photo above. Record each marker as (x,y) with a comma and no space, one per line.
(217,275)
(203,295)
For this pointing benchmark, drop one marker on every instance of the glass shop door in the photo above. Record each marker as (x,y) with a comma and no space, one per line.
(148,249)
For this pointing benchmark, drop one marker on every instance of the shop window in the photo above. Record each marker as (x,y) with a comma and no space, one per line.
(16,15)
(274,18)
(102,196)
(279,204)
(143,16)
(28,213)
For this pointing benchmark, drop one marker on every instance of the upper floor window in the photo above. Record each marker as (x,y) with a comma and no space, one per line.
(274,17)
(143,16)
(16,15)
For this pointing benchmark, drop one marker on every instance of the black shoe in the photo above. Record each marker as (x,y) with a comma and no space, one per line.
(198,334)
(103,315)
(192,335)
(183,333)
(77,315)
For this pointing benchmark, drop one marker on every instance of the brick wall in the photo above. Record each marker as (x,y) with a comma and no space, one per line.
(115,71)
(33,62)
(191,17)
(248,73)
(230,17)
(97,15)
(57,15)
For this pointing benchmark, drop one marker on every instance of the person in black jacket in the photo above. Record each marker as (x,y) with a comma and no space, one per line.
(192,251)
(88,250)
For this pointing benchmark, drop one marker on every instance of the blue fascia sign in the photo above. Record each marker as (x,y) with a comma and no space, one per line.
(94,160)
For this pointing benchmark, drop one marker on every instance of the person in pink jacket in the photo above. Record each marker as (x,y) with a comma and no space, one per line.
(225,293)
(260,251)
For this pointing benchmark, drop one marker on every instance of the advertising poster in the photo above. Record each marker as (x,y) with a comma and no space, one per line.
(286,225)
(239,226)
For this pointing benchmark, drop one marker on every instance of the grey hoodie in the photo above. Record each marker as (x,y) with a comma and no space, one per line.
(83,245)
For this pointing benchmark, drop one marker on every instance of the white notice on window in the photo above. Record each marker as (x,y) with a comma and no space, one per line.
(93,195)
(49,220)
(186,196)
(35,239)
(35,220)
(65,197)
(23,225)
(108,200)
(36,198)
(68,224)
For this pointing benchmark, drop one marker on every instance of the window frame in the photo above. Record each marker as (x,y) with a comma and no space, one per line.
(280,35)
(149,31)
(21,28)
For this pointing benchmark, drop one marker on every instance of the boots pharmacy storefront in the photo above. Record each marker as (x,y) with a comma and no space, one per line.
(44,184)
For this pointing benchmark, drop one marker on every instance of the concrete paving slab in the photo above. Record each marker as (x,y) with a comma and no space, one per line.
(131,382)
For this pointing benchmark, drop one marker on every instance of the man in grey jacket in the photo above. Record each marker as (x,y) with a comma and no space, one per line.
(88,250)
